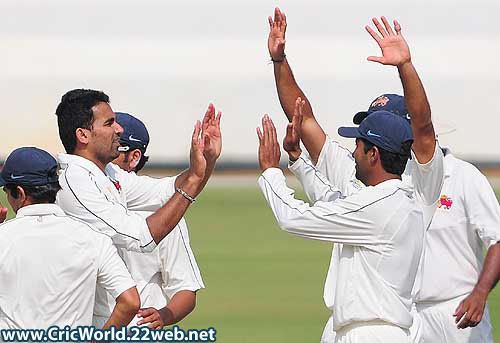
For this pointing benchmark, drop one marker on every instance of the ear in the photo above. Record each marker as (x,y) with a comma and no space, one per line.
(21,194)
(82,135)
(135,157)
(374,155)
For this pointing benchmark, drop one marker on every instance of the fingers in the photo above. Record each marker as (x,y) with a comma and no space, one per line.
(277,15)
(208,116)
(273,135)
(379,27)
(289,132)
(374,35)
(197,141)
(271,22)
(459,312)
(217,119)
(387,26)
(259,134)
(397,27)
(196,133)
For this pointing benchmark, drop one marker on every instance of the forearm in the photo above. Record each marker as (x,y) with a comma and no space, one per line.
(166,218)
(181,304)
(127,305)
(289,90)
(420,112)
(491,271)
(312,134)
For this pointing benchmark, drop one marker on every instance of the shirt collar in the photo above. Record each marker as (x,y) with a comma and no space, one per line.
(39,210)
(396,183)
(67,159)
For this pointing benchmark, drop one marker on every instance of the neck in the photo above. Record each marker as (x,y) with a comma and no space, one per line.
(87,155)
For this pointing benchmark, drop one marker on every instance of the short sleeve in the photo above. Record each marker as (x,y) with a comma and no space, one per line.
(112,274)
(481,206)
(179,269)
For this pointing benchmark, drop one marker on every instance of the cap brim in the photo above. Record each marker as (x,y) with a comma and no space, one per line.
(358,117)
(349,132)
(2,181)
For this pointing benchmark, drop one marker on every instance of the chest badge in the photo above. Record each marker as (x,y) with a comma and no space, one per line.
(117,185)
(445,202)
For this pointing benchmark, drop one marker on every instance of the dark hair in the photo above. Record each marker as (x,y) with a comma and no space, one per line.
(38,194)
(75,111)
(392,162)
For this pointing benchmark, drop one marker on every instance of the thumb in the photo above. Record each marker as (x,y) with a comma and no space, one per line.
(376,59)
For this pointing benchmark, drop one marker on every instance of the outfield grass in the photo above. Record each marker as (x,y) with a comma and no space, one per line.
(263,285)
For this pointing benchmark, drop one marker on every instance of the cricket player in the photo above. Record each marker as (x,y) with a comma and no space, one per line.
(333,161)
(168,277)
(102,194)
(50,263)
(340,171)
(466,223)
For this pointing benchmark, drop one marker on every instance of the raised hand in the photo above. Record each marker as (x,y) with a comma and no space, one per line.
(291,142)
(211,134)
(395,50)
(269,149)
(276,40)
(198,163)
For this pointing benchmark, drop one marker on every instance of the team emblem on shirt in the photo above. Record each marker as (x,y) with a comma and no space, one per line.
(117,185)
(445,202)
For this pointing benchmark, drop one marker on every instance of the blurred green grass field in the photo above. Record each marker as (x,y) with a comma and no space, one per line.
(263,285)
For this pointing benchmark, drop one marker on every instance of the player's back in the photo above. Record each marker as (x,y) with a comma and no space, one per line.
(48,269)
(377,277)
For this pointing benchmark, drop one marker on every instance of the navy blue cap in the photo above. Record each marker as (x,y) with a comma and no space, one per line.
(386,102)
(29,166)
(383,129)
(135,135)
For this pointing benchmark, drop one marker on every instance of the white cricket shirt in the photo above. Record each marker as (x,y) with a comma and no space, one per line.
(466,221)
(50,264)
(108,200)
(381,229)
(159,275)
(337,164)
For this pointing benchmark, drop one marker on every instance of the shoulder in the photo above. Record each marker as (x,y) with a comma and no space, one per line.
(8,225)
(82,227)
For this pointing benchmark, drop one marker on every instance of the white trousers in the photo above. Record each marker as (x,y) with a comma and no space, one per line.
(434,323)
(363,332)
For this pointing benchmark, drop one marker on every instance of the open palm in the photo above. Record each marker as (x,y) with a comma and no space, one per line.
(395,50)
(276,40)
(212,134)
